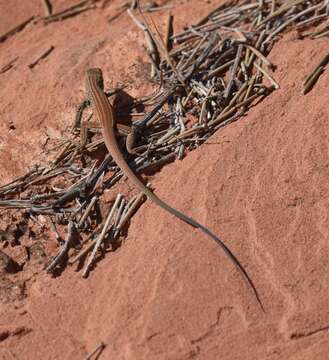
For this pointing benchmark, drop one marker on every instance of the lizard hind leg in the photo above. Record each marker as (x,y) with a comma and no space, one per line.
(131,141)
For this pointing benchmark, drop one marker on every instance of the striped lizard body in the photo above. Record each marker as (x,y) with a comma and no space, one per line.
(104,112)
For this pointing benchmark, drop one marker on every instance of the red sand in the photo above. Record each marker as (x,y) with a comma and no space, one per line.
(169,292)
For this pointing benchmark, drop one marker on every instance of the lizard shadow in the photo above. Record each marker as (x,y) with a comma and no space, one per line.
(123,105)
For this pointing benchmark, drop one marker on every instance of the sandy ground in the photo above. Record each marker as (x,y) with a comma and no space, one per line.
(168,292)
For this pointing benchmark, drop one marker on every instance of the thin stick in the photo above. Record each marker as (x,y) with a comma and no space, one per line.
(42,56)
(324,61)
(219,69)
(64,250)
(260,39)
(8,66)
(187,133)
(320,30)
(71,11)
(169,31)
(266,74)
(53,226)
(260,55)
(101,236)
(130,211)
(312,80)
(15,29)
(47,7)
(88,209)
(250,87)
(152,8)
(311,20)
(320,35)
(83,252)
(119,213)
(233,71)
(236,96)
(202,116)
(98,349)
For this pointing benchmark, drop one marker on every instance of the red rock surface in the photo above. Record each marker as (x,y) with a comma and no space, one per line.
(168,292)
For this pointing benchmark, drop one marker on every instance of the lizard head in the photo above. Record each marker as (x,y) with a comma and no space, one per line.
(95,75)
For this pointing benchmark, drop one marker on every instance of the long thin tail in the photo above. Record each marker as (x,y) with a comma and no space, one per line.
(205,230)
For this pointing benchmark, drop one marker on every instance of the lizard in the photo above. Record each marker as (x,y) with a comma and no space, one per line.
(131,131)
(105,115)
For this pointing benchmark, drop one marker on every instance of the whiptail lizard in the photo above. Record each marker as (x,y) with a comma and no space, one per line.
(104,112)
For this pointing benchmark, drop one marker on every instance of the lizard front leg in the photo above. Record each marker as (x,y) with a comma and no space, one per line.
(85,126)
